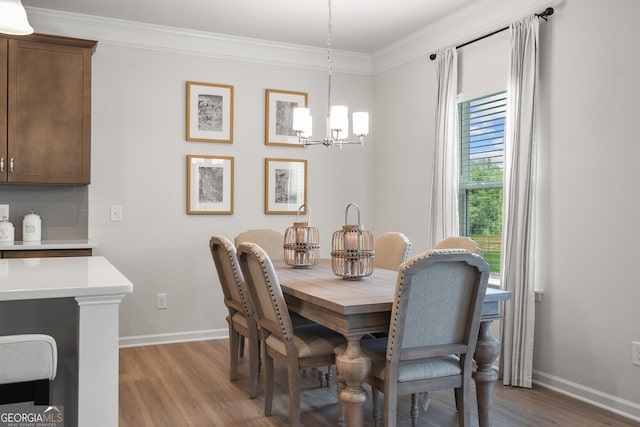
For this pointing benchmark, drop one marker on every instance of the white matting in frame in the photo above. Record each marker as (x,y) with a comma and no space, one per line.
(209,184)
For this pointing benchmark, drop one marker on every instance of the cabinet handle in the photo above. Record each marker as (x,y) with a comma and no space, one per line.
(1,164)
(11,165)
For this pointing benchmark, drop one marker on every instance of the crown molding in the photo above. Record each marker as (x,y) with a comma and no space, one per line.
(137,35)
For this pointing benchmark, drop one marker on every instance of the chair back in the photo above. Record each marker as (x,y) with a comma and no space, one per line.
(391,249)
(460,242)
(231,279)
(271,241)
(263,285)
(437,307)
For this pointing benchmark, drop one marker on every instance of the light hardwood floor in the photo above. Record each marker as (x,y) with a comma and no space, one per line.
(187,384)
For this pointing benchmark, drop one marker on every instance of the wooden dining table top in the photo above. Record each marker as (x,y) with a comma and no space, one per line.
(319,286)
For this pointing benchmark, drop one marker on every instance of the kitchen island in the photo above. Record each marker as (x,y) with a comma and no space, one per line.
(76,300)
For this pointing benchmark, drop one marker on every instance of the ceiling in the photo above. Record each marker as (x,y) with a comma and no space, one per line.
(358,25)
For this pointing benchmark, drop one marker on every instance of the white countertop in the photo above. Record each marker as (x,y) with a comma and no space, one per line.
(47,244)
(37,278)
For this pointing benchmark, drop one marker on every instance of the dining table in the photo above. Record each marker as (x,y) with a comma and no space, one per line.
(355,308)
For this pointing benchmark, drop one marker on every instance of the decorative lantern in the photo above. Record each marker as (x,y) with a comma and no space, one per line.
(301,243)
(352,250)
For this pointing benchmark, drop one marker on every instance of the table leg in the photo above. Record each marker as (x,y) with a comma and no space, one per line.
(487,350)
(353,366)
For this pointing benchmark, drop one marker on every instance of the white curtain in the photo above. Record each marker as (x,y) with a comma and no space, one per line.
(443,221)
(519,222)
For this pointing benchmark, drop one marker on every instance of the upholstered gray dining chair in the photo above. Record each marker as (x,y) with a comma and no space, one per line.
(302,347)
(433,332)
(28,364)
(391,249)
(460,242)
(271,241)
(241,318)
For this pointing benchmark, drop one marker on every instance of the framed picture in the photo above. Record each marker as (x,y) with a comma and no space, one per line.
(278,118)
(285,186)
(209,184)
(209,112)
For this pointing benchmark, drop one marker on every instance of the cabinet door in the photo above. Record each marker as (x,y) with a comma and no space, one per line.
(49,112)
(3,109)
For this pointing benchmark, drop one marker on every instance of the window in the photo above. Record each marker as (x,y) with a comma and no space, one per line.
(482,127)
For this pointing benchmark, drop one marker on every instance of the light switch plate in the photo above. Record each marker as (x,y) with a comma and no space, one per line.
(4,212)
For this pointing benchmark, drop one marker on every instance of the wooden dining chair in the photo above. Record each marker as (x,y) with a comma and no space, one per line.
(270,240)
(297,348)
(241,319)
(391,249)
(433,332)
(28,364)
(460,242)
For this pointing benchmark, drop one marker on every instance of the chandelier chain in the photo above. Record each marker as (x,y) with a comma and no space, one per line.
(329,64)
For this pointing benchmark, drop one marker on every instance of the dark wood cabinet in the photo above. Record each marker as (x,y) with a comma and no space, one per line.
(45,253)
(45,110)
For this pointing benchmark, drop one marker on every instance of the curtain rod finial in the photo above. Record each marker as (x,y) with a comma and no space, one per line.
(547,12)
(432,56)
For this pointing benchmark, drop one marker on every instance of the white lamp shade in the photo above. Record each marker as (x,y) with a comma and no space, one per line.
(13,18)
(361,123)
(339,118)
(302,121)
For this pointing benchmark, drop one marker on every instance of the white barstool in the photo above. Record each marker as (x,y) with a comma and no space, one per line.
(28,364)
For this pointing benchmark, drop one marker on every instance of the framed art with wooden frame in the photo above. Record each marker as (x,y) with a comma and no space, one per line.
(278,117)
(209,185)
(209,112)
(285,186)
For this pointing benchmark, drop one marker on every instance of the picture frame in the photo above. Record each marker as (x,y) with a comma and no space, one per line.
(210,185)
(278,117)
(209,112)
(285,186)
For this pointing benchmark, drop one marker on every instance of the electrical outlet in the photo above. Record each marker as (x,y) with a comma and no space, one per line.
(116,213)
(635,352)
(161,301)
(4,212)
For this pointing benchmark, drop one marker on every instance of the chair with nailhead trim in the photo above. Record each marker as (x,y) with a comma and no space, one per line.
(297,348)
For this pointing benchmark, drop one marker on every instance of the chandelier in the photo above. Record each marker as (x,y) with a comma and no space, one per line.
(13,18)
(337,130)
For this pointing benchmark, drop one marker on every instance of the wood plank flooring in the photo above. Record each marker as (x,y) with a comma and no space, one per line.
(187,384)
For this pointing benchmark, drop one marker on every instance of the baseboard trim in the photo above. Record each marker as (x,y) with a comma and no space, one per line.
(175,337)
(589,395)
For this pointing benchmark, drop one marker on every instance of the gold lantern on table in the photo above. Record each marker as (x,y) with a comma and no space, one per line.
(302,243)
(352,250)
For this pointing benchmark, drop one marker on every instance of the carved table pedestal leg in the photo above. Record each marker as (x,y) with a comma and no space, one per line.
(353,365)
(487,351)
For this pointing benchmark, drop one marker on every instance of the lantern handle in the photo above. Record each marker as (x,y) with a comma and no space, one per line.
(308,213)
(346,212)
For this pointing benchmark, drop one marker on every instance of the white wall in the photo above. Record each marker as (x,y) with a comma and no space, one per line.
(589,313)
(139,162)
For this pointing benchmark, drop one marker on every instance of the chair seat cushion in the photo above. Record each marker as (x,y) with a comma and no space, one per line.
(435,367)
(310,340)
(27,357)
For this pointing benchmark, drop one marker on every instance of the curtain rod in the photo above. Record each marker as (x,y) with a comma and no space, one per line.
(546,13)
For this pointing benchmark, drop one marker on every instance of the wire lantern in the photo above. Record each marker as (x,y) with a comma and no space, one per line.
(302,243)
(352,250)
